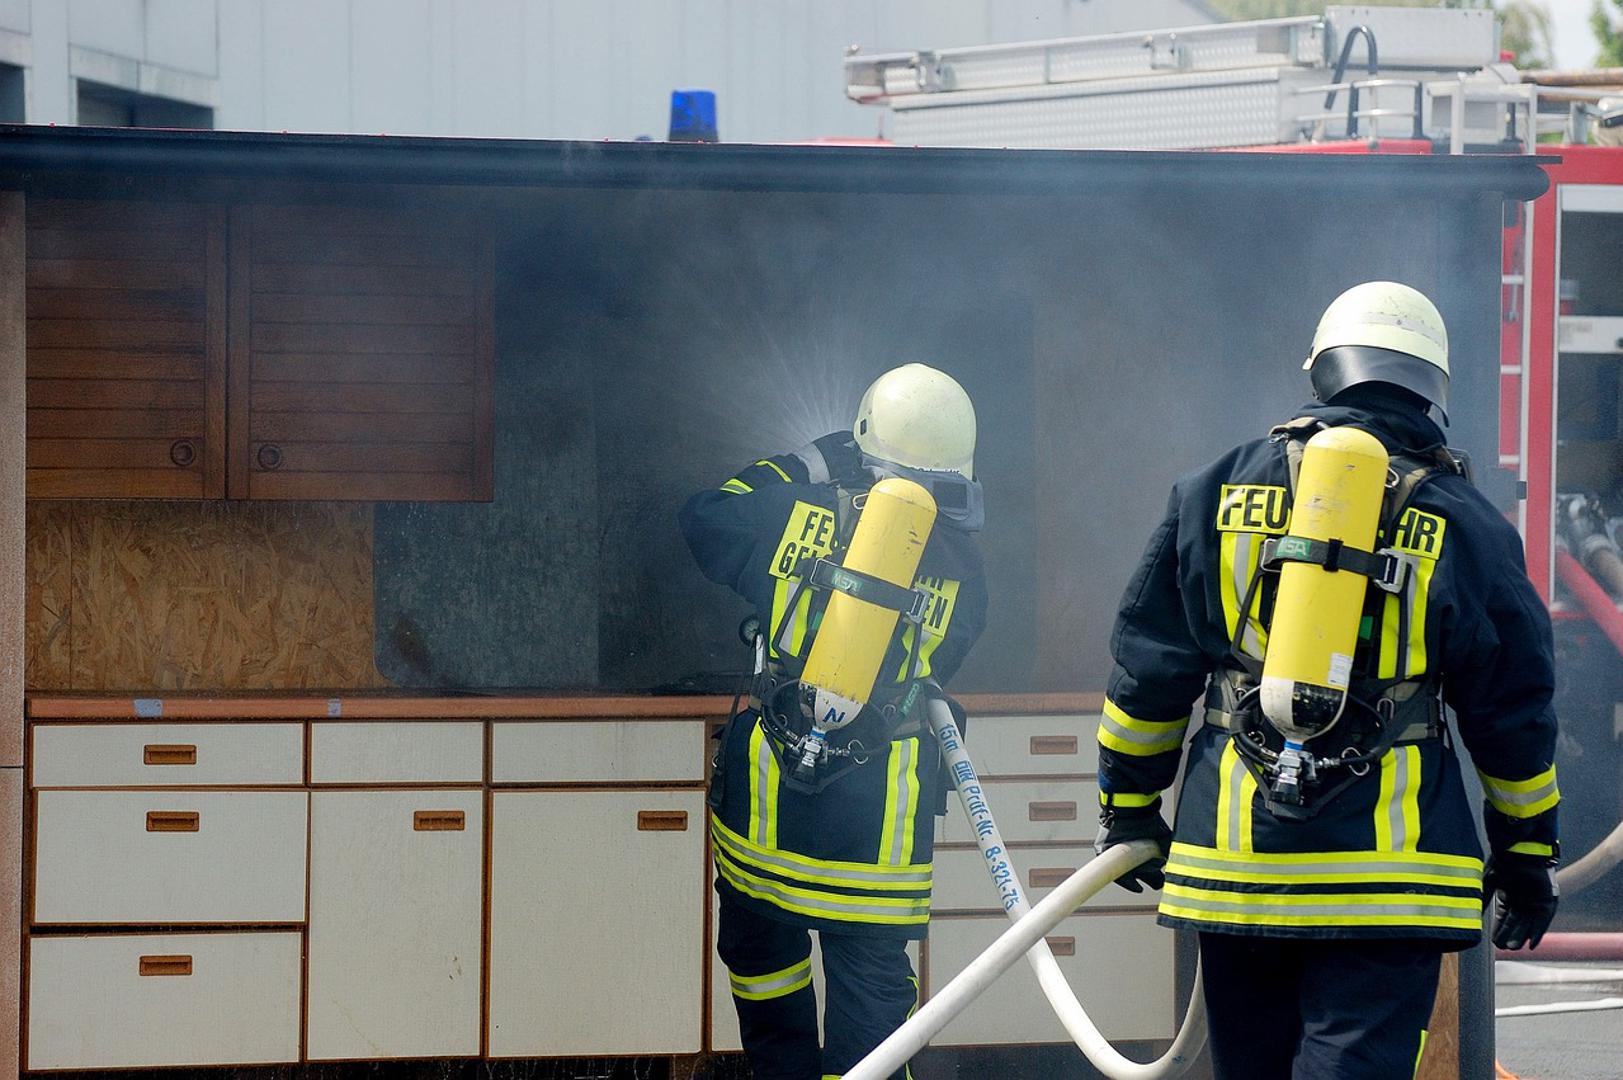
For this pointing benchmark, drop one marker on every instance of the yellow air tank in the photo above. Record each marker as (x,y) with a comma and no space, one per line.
(1317,611)
(854,635)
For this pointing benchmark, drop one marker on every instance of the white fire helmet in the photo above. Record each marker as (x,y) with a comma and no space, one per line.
(919,418)
(1381,331)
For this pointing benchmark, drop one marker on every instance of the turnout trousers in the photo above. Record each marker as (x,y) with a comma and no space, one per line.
(1298,1009)
(871,990)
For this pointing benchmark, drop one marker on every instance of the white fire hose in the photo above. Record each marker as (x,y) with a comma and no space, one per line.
(1031,924)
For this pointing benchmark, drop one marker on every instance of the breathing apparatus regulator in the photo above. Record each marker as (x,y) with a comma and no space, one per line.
(915,433)
(1345,485)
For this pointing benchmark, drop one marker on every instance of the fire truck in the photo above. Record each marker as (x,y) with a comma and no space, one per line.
(1383,80)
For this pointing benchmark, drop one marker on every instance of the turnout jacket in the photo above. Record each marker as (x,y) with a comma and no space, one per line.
(1396,853)
(856,856)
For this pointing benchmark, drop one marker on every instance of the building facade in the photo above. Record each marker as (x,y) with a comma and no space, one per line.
(585,69)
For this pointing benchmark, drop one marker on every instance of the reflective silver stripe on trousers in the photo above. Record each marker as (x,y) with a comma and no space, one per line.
(824,902)
(766,985)
(1468,875)
(904,800)
(790,868)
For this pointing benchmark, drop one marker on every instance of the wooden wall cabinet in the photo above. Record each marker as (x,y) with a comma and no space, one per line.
(194,350)
(126,349)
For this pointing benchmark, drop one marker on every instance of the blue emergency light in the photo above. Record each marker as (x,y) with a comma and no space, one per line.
(693,116)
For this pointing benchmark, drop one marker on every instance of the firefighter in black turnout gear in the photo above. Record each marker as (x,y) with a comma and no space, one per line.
(1326,877)
(845,848)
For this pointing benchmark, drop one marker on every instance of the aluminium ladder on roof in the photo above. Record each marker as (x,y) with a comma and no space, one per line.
(1230,84)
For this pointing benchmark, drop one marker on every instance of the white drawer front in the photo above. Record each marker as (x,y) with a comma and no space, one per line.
(126,857)
(90,1006)
(963,884)
(1120,967)
(1033,745)
(397,752)
(1030,810)
(141,755)
(576,751)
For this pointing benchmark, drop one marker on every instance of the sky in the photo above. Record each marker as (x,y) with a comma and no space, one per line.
(1574,45)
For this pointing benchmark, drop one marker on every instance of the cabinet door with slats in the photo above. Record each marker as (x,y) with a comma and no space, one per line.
(361,351)
(126,349)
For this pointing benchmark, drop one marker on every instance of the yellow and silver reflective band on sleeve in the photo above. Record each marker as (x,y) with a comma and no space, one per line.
(1397,809)
(1122,800)
(774,467)
(774,984)
(737,487)
(1521,798)
(764,776)
(1127,734)
(1530,847)
(901,803)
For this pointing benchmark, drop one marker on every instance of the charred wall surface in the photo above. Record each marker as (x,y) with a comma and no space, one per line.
(649,344)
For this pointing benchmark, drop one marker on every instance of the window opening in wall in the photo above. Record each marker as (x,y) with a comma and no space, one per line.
(13,102)
(110,106)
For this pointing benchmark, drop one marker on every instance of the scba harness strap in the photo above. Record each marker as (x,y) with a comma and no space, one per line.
(780,696)
(1396,710)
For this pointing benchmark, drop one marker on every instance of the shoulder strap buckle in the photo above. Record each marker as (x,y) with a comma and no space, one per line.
(824,573)
(1388,568)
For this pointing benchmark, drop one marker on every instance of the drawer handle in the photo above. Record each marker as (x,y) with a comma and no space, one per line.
(1052,811)
(1052,744)
(1051,877)
(168,754)
(1062,946)
(439,821)
(166,965)
(173,821)
(662,820)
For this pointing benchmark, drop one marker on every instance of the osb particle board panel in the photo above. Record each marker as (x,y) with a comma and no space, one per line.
(179,596)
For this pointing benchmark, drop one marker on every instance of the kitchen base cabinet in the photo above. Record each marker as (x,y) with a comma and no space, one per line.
(596,922)
(395,914)
(1120,967)
(133,1000)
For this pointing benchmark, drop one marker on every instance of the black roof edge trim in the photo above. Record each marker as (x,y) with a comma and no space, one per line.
(738,166)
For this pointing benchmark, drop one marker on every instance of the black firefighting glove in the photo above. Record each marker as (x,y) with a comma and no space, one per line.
(844,460)
(1118,825)
(1528,896)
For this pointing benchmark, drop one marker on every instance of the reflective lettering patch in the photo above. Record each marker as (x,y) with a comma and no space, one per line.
(809,534)
(1256,508)
(1419,533)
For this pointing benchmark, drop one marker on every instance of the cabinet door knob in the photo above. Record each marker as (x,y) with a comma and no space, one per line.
(174,821)
(1049,877)
(1052,811)
(1053,744)
(1062,946)
(269,457)
(183,452)
(662,820)
(165,965)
